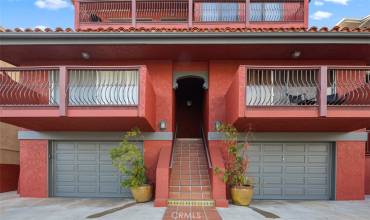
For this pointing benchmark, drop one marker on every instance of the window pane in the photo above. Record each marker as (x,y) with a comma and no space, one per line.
(266,12)
(219,12)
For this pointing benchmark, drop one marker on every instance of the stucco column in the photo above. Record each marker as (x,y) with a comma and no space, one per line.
(350,170)
(33,178)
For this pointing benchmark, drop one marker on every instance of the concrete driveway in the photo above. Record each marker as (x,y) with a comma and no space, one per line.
(13,208)
(302,210)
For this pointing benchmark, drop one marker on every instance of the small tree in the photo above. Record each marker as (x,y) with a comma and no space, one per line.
(236,165)
(129,161)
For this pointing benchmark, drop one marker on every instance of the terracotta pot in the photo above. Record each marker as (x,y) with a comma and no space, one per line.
(142,193)
(242,195)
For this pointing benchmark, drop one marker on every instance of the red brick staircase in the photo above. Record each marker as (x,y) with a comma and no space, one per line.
(190,194)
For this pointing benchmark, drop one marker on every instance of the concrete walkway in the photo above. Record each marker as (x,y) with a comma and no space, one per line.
(302,210)
(14,208)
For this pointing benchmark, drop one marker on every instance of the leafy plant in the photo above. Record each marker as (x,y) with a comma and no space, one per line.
(236,165)
(129,161)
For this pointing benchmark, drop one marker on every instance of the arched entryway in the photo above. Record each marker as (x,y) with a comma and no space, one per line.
(189,106)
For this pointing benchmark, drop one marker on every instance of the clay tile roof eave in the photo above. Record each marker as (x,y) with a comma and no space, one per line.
(193,29)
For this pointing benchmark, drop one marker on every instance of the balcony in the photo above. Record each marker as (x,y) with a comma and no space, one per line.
(191,13)
(77,97)
(318,97)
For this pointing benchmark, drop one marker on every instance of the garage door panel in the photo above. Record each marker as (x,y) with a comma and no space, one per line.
(272,148)
(87,168)
(317,191)
(295,191)
(294,180)
(65,189)
(65,167)
(87,157)
(317,159)
(292,149)
(92,188)
(273,158)
(254,158)
(317,170)
(109,178)
(317,180)
(87,147)
(107,168)
(65,156)
(294,169)
(65,147)
(87,178)
(295,159)
(311,148)
(273,169)
(84,169)
(65,178)
(272,190)
(290,170)
(272,180)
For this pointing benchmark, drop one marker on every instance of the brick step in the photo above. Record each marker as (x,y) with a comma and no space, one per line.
(190,188)
(188,182)
(189,166)
(192,195)
(189,177)
(189,172)
(191,154)
(177,202)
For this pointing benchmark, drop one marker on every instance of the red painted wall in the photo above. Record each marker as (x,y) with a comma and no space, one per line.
(350,172)
(367,175)
(9,174)
(33,168)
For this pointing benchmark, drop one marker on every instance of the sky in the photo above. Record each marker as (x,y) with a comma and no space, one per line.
(60,13)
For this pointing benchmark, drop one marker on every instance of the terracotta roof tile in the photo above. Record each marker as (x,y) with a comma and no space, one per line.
(194,29)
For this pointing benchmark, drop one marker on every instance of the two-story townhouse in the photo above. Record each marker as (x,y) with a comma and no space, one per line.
(177,69)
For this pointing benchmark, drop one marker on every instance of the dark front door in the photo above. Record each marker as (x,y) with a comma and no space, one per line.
(189,107)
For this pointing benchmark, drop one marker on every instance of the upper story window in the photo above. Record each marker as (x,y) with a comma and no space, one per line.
(266,12)
(219,11)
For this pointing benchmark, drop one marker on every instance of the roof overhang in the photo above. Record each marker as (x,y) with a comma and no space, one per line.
(165,38)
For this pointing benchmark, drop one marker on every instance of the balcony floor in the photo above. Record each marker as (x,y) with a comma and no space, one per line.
(339,118)
(77,119)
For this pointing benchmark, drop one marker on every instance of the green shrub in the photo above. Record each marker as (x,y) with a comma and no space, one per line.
(129,160)
(236,164)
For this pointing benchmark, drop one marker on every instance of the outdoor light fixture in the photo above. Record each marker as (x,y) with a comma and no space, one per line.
(189,103)
(217,125)
(296,54)
(85,55)
(162,125)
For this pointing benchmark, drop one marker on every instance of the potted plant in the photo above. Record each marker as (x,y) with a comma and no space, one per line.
(129,161)
(234,174)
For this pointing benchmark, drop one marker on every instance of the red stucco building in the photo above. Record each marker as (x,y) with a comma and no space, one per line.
(176,69)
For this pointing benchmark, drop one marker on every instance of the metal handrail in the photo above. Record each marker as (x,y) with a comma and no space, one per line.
(206,148)
(173,146)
